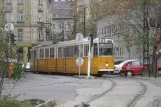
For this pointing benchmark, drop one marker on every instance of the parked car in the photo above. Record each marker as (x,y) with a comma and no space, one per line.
(132,67)
(26,66)
(118,66)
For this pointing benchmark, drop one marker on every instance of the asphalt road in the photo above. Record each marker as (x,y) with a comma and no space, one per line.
(68,91)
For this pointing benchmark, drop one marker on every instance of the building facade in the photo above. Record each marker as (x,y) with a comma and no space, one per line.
(63,14)
(114,28)
(30,18)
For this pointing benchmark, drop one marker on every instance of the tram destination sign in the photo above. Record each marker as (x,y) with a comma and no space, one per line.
(104,41)
(107,45)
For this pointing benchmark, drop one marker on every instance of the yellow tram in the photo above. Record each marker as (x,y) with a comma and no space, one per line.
(61,57)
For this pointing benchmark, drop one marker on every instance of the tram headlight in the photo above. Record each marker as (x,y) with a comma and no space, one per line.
(106,63)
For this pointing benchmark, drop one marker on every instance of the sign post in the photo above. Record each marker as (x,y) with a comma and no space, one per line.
(89,60)
(79,62)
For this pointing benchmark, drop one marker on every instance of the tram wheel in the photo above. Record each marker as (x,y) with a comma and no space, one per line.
(99,75)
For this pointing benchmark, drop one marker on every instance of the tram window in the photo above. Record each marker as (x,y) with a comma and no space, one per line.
(41,53)
(106,49)
(60,52)
(34,55)
(46,53)
(70,51)
(65,51)
(86,49)
(95,53)
(76,51)
(52,52)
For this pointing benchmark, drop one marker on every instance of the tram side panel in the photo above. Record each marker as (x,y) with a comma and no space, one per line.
(33,65)
(72,67)
(60,65)
(41,65)
(94,65)
(51,65)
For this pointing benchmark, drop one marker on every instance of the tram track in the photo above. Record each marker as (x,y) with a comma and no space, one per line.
(99,95)
(138,96)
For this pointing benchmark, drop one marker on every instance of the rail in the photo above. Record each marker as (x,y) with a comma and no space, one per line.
(138,96)
(86,104)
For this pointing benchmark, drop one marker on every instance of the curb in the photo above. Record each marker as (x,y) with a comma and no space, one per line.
(84,77)
(147,78)
(143,78)
(49,103)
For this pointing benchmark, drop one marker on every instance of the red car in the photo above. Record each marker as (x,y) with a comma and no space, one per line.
(131,67)
(134,67)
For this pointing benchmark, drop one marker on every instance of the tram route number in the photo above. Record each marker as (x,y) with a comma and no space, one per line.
(79,61)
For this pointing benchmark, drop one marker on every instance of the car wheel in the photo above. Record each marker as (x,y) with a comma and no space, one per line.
(130,73)
(122,74)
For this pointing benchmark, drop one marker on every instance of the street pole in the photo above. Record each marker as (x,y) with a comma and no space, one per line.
(89,58)
(9,35)
(79,57)
(84,20)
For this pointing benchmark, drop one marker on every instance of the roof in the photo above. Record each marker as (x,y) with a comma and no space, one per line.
(63,9)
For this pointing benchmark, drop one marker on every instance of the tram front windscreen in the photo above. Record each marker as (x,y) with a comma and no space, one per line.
(105,49)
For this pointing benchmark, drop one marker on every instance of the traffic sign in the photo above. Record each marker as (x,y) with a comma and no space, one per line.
(79,37)
(79,61)
(9,27)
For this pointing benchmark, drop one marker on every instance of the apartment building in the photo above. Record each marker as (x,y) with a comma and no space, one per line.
(114,28)
(63,13)
(31,19)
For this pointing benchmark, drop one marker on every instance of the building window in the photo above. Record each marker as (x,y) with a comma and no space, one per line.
(39,34)
(69,26)
(20,16)
(105,30)
(60,26)
(53,26)
(19,1)
(8,1)
(20,34)
(40,1)
(40,16)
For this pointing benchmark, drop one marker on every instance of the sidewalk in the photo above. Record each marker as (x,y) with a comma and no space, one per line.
(147,77)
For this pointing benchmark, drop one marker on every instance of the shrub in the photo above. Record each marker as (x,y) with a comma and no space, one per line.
(14,103)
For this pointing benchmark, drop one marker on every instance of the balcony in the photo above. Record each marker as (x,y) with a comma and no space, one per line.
(39,20)
(20,7)
(8,7)
(40,7)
